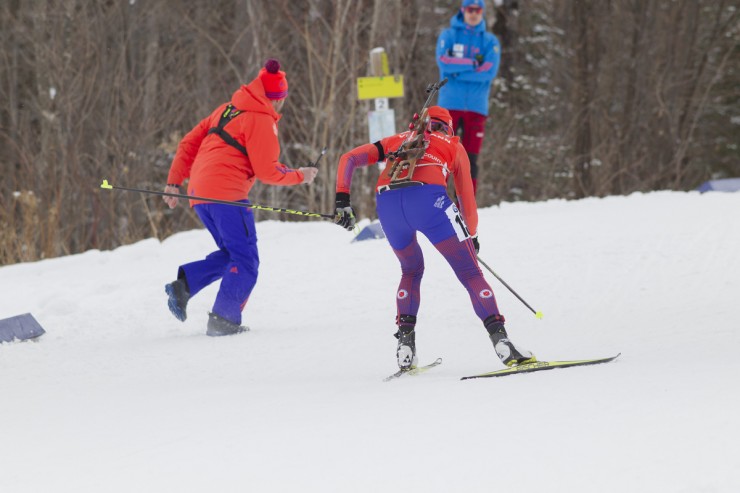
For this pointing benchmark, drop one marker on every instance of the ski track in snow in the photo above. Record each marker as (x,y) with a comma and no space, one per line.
(119,396)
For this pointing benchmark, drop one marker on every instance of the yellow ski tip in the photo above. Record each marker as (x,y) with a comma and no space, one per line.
(106,185)
(539,315)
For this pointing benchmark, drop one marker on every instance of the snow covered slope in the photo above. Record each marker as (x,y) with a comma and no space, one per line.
(118,396)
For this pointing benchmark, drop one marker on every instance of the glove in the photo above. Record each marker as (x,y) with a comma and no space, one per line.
(345,215)
(478,60)
(476,245)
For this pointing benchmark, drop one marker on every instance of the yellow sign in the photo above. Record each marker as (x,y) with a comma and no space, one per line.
(380,87)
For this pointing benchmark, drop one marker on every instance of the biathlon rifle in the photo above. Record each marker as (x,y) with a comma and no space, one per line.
(403,160)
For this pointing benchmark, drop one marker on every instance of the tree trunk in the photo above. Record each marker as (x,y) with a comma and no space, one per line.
(582,182)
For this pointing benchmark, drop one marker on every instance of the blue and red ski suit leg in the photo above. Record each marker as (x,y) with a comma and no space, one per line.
(428,210)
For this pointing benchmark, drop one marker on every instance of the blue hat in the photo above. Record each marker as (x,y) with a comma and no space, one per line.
(474,3)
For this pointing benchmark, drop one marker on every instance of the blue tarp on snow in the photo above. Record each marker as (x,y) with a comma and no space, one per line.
(20,327)
(724,185)
(372,231)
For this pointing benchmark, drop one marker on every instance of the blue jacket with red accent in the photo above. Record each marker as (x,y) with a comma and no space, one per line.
(469,57)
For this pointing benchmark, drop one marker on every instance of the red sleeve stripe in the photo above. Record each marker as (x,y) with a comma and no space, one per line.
(455,60)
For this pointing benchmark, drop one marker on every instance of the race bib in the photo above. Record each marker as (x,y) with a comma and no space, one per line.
(461,230)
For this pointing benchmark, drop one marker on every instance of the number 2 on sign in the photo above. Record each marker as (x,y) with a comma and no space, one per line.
(457,223)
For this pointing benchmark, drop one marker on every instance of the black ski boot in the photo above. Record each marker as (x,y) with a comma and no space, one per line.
(509,354)
(219,326)
(179,295)
(406,350)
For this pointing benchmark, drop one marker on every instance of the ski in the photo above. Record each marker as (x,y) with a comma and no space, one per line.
(414,371)
(540,366)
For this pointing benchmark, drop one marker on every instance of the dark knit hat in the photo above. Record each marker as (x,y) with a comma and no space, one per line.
(276,85)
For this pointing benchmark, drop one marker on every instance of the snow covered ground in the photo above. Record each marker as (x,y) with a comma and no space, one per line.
(118,396)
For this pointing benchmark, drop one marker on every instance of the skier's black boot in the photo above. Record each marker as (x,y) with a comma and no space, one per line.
(219,326)
(179,295)
(509,354)
(406,350)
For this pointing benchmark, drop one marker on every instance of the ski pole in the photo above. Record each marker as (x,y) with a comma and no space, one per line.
(315,164)
(108,186)
(537,314)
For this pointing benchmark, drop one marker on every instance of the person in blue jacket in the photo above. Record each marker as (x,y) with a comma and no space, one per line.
(469,57)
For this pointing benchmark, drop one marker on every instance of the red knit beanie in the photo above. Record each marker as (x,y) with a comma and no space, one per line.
(276,85)
(441,114)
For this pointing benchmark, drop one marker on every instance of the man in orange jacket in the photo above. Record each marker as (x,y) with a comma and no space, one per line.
(419,203)
(222,157)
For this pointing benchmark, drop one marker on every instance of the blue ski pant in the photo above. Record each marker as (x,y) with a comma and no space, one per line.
(236,262)
(427,209)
